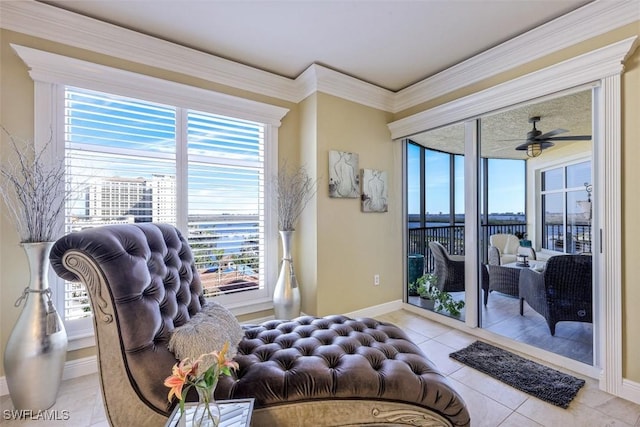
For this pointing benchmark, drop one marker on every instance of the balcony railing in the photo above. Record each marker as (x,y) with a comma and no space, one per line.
(577,238)
(452,238)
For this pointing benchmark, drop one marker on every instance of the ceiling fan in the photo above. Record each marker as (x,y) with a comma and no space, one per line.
(538,141)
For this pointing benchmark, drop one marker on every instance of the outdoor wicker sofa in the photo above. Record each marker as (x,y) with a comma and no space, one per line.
(309,371)
(563,291)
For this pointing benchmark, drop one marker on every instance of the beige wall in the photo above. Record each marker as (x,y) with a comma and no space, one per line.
(630,215)
(353,246)
(306,244)
(339,247)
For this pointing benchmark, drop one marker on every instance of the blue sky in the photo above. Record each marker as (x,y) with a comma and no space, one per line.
(506,183)
(123,137)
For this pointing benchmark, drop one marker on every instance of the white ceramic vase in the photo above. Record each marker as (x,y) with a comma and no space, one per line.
(37,347)
(286,296)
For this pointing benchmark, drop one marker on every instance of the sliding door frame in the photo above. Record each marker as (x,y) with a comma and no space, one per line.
(602,68)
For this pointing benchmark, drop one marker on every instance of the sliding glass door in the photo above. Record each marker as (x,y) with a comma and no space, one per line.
(534,193)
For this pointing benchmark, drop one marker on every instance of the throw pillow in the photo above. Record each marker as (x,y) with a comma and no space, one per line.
(207,331)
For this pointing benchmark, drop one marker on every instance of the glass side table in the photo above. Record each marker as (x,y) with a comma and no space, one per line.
(233,413)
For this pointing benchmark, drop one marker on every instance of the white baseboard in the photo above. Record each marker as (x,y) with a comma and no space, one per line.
(631,391)
(4,390)
(377,310)
(72,369)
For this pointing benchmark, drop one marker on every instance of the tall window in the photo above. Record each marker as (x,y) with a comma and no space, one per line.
(134,161)
(435,200)
(566,208)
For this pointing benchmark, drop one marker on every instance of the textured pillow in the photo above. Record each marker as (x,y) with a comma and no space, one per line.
(207,331)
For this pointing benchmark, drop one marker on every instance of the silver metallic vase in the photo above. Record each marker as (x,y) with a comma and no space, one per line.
(37,347)
(286,296)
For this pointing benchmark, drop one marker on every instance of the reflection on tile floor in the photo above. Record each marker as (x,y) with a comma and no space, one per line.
(491,403)
(501,315)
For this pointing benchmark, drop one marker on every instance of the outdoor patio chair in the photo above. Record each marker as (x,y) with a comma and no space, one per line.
(563,291)
(497,257)
(507,245)
(317,371)
(449,269)
(501,279)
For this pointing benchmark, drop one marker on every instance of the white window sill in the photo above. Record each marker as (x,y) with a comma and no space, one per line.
(80,342)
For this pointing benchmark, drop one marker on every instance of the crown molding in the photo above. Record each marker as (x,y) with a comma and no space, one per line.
(61,26)
(317,78)
(582,24)
(584,69)
(53,68)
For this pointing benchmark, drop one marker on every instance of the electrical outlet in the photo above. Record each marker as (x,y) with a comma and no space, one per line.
(376,279)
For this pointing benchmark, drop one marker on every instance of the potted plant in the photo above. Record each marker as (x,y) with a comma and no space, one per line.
(426,290)
(433,298)
(413,289)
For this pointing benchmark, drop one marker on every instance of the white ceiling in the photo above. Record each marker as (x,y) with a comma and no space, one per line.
(390,43)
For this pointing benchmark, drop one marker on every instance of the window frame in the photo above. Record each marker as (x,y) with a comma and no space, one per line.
(539,199)
(52,72)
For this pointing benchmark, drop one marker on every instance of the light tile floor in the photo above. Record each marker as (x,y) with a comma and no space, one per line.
(491,403)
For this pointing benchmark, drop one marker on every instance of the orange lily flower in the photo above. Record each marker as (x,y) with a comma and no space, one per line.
(179,376)
(223,362)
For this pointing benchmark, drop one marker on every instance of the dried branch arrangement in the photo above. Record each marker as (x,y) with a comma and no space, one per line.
(294,189)
(33,191)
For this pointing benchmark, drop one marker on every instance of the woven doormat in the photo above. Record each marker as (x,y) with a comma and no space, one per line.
(530,377)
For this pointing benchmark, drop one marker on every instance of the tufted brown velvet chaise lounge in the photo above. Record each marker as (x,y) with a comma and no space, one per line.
(330,371)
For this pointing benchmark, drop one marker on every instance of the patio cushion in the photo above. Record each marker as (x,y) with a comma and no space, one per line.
(507,244)
(512,244)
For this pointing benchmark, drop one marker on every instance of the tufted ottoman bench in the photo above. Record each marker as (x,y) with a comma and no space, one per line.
(331,371)
(334,369)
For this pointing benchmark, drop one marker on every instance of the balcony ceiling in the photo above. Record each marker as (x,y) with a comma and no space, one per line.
(502,131)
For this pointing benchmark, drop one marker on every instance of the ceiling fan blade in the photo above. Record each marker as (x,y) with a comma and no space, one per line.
(570,138)
(551,133)
(543,145)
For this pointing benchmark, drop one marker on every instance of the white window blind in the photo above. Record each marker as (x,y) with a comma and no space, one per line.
(226,201)
(122,156)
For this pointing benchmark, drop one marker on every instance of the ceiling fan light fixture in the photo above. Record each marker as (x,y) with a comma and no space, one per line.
(538,141)
(534,149)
